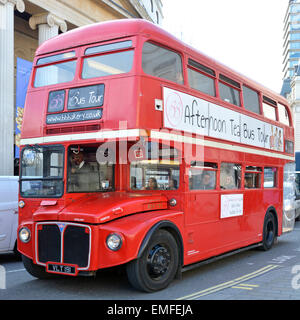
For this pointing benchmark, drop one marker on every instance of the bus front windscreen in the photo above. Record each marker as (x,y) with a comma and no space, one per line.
(42,172)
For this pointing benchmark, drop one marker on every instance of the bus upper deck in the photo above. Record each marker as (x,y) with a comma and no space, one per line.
(100,78)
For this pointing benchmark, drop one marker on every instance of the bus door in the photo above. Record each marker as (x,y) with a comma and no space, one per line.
(232,218)
(253,202)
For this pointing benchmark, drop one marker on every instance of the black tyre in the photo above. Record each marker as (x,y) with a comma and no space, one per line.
(35,270)
(158,264)
(269,232)
(16,252)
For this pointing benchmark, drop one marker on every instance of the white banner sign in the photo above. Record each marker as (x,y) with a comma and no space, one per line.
(231,205)
(191,114)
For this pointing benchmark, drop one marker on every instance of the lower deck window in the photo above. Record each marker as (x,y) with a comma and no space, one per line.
(154,175)
(85,174)
(270,177)
(202,176)
(230,176)
(253,177)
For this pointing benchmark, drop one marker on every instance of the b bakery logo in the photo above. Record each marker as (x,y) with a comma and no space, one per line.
(173,108)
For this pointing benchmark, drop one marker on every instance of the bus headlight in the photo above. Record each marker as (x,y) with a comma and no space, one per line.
(24,235)
(114,241)
(21,204)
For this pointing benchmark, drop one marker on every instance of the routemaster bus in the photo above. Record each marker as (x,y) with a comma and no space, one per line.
(141,151)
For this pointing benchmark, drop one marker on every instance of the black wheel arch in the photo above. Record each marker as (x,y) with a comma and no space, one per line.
(170,227)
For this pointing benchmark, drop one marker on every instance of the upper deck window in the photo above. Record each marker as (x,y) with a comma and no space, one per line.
(109,47)
(251,101)
(107,63)
(283,114)
(59,72)
(200,81)
(162,63)
(269,111)
(54,74)
(56,58)
(227,92)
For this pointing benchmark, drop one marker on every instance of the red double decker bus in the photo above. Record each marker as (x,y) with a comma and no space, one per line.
(138,150)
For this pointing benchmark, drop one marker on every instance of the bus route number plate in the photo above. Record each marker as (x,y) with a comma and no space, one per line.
(66,269)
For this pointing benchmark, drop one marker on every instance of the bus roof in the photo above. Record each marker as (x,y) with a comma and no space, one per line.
(101,31)
(115,29)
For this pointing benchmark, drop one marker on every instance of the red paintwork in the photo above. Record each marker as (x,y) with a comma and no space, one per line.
(130,97)
(102,207)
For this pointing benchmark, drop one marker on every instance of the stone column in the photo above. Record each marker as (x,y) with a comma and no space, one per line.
(7,84)
(48,25)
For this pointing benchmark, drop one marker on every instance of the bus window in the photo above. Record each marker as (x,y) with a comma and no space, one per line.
(283,115)
(227,92)
(162,63)
(154,175)
(270,177)
(42,171)
(230,176)
(157,170)
(202,176)
(269,111)
(253,177)
(56,73)
(251,101)
(201,82)
(85,174)
(107,64)
(109,47)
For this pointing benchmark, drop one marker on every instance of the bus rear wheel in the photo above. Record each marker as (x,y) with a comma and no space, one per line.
(269,232)
(158,264)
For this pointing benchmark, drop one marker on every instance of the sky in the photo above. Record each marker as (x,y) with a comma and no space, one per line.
(247,36)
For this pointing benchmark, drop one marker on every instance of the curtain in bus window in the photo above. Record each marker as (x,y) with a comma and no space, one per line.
(162,63)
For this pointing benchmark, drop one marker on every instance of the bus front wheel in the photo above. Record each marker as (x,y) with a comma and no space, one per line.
(269,232)
(35,270)
(156,267)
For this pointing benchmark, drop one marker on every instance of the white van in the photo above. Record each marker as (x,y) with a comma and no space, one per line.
(9,189)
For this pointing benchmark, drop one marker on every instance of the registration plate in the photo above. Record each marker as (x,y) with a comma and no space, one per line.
(67,269)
